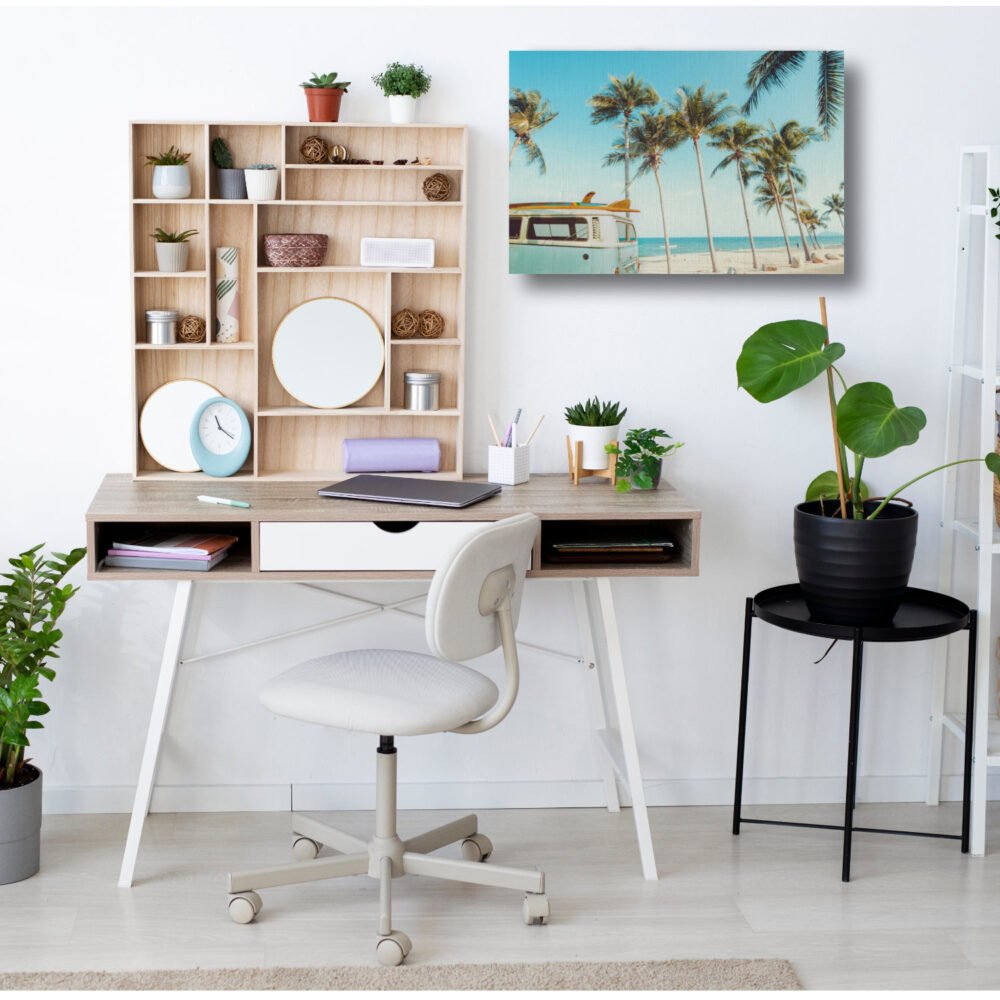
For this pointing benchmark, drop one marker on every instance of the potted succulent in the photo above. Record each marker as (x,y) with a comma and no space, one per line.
(853,554)
(596,424)
(640,461)
(31,602)
(171,176)
(229,180)
(172,249)
(261,181)
(403,84)
(324,93)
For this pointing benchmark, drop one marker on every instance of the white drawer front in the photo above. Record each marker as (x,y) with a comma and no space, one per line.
(358,545)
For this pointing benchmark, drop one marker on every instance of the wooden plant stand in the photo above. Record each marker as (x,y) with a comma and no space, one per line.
(574,455)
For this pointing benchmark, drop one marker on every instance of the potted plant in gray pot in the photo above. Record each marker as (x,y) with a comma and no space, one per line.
(640,459)
(853,553)
(230,180)
(31,602)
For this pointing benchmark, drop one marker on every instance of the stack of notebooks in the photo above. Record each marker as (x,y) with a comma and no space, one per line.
(164,550)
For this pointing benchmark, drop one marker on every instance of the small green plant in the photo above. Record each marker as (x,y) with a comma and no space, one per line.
(262,166)
(326,81)
(164,237)
(222,156)
(30,605)
(173,157)
(402,80)
(640,460)
(995,210)
(594,413)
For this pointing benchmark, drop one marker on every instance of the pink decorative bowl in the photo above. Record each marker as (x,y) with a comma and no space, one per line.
(295,249)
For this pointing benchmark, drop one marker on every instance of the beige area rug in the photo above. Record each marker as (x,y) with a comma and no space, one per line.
(679,974)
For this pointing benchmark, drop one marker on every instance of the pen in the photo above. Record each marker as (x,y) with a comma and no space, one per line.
(223,502)
(508,439)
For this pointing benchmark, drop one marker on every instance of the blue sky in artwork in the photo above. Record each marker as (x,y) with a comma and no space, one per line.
(574,149)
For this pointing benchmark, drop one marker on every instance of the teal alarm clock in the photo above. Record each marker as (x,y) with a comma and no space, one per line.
(220,436)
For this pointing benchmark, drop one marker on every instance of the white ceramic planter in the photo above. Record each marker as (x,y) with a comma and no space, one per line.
(262,185)
(171,182)
(594,439)
(402,109)
(172,257)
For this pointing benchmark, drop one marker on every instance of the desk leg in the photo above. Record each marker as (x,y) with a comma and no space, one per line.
(157,723)
(598,698)
(852,753)
(607,644)
(741,736)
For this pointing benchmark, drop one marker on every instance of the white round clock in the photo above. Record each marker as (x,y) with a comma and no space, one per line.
(165,422)
(220,436)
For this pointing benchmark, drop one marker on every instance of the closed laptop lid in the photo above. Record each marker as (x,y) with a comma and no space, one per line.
(400,489)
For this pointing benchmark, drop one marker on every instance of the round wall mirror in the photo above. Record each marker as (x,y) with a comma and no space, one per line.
(328,352)
(165,422)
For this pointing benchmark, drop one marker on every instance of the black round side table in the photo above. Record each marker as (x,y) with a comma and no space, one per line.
(922,615)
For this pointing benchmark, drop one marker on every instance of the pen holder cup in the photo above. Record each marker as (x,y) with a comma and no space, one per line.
(509,466)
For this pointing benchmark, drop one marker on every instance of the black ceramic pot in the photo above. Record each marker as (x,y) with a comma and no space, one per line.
(854,572)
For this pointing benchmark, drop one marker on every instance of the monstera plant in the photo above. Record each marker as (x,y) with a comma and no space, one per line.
(850,570)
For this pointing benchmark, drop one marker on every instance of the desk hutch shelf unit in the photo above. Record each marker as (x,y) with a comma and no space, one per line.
(292,441)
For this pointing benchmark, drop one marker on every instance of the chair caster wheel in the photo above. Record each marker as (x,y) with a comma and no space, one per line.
(535,908)
(306,849)
(478,847)
(244,908)
(393,948)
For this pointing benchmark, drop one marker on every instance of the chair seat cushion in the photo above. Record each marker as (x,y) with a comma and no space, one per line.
(391,692)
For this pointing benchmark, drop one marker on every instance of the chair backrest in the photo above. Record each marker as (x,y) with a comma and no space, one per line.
(466,589)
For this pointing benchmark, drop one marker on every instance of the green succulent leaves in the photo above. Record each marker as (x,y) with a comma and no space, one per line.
(871,424)
(594,413)
(781,357)
(326,81)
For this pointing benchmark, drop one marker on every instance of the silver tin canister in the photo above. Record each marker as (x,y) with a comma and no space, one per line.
(421,390)
(161,326)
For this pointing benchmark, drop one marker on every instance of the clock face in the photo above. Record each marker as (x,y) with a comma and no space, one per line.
(220,428)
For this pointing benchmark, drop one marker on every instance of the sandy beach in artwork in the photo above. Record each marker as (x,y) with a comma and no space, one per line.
(741,262)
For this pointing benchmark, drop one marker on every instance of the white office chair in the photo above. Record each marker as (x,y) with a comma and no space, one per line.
(472,608)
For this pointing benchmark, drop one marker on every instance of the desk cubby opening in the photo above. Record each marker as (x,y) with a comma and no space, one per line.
(249,144)
(172,217)
(618,537)
(107,534)
(151,139)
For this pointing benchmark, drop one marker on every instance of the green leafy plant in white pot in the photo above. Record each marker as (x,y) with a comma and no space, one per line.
(596,424)
(640,458)
(172,250)
(171,176)
(403,84)
(31,603)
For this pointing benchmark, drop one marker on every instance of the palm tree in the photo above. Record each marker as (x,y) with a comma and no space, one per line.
(835,206)
(812,220)
(695,113)
(621,99)
(739,141)
(651,138)
(768,166)
(791,138)
(773,68)
(528,113)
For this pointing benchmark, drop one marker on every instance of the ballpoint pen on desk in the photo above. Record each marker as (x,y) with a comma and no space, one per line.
(222,502)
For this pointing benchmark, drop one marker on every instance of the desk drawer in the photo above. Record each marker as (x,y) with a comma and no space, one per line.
(358,545)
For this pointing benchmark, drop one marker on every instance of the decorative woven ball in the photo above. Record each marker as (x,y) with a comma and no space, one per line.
(338,154)
(405,324)
(314,149)
(431,323)
(437,187)
(192,330)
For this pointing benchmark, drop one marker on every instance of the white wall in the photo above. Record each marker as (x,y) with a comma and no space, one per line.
(919,84)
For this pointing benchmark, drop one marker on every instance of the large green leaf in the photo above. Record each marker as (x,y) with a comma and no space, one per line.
(871,424)
(824,487)
(993,463)
(781,357)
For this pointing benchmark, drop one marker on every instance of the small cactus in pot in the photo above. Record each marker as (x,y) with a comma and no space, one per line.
(230,180)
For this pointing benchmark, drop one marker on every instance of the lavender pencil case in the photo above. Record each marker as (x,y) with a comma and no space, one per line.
(392,455)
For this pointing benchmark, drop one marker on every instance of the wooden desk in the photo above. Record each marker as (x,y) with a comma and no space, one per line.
(290,533)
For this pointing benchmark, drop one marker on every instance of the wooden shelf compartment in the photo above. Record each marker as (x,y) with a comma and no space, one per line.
(409,357)
(358,269)
(204,346)
(386,142)
(173,216)
(346,225)
(190,297)
(231,224)
(249,144)
(358,184)
(279,292)
(231,372)
(308,448)
(442,292)
(151,139)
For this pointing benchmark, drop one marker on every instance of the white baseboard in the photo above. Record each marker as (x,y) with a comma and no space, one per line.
(495,794)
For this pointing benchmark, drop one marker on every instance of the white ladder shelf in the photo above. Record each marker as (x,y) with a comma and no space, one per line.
(976,311)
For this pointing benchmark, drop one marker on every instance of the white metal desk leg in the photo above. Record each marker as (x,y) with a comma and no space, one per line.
(606,621)
(157,723)
(939,685)
(597,698)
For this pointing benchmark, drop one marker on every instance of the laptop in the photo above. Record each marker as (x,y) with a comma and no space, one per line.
(399,489)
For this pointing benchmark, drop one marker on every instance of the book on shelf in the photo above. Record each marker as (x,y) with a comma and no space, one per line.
(147,561)
(170,545)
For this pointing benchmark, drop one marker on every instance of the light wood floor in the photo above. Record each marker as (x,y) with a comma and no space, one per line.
(917,915)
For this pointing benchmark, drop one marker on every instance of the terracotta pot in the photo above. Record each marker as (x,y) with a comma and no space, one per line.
(323,103)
